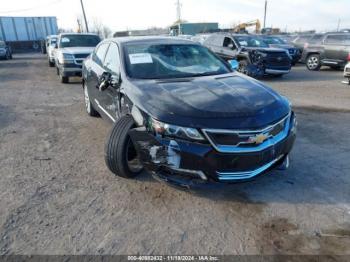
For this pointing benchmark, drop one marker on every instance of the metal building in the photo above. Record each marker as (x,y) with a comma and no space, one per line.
(26,33)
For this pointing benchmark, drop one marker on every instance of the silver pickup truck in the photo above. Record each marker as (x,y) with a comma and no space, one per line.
(70,52)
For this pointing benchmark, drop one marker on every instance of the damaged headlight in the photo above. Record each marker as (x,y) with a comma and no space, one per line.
(257,56)
(175,131)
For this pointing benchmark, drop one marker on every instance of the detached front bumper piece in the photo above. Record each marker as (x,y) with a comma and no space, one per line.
(185,163)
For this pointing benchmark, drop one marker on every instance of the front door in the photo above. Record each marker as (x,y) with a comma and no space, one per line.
(110,96)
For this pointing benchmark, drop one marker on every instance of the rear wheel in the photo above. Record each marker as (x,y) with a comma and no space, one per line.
(88,105)
(313,62)
(120,154)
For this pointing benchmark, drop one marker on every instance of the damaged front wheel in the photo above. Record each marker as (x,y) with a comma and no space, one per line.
(120,154)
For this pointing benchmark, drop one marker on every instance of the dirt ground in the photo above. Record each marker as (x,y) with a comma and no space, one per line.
(57,196)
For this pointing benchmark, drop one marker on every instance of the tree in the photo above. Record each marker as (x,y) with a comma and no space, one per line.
(99,28)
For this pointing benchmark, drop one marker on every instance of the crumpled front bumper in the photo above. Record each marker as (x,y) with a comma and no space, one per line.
(191,164)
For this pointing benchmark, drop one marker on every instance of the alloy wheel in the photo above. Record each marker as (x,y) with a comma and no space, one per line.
(313,62)
(87,100)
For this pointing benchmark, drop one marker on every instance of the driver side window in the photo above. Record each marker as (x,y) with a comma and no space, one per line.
(228,42)
(112,60)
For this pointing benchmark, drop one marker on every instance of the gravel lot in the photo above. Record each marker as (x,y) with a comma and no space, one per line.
(57,196)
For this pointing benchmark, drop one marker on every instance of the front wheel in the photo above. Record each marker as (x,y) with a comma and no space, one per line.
(313,62)
(120,154)
(63,79)
(243,67)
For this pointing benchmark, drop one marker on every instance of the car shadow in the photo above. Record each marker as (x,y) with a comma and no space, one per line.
(7,115)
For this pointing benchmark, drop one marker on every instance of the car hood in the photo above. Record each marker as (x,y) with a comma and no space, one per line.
(227,101)
(77,50)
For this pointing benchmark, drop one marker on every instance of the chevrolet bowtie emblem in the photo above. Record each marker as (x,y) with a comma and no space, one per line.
(258,139)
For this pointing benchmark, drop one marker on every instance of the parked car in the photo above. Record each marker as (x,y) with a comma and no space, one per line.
(183,114)
(255,57)
(70,52)
(50,44)
(5,51)
(347,71)
(274,41)
(301,39)
(333,51)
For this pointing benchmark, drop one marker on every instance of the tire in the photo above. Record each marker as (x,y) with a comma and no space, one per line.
(313,62)
(63,79)
(90,110)
(119,150)
(8,56)
(51,64)
(242,68)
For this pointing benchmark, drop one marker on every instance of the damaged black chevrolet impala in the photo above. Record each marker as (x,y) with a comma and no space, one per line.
(183,114)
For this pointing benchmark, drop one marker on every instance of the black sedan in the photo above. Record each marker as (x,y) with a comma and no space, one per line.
(183,114)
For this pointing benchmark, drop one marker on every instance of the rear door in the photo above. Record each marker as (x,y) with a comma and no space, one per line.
(334,50)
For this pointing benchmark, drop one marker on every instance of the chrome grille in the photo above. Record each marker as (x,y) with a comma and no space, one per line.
(230,141)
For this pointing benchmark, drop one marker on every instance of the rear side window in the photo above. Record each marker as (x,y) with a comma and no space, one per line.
(100,53)
(112,60)
(338,40)
(316,39)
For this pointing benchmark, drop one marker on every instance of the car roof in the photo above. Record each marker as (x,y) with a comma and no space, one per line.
(63,34)
(149,39)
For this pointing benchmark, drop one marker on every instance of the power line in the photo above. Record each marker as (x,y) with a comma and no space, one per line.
(30,8)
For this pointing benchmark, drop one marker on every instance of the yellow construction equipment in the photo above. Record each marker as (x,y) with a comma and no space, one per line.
(242,27)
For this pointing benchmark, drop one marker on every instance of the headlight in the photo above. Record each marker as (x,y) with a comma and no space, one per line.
(65,58)
(258,56)
(175,131)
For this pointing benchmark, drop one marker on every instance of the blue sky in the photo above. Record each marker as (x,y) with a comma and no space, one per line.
(321,15)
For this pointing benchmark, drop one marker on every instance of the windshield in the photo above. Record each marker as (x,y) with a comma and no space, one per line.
(250,41)
(274,41)
(2,44)
(161,61)
(79,40)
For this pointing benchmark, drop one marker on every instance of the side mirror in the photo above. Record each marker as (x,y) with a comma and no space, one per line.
(234,64)
(115,80)
(231,46)
(55,45)
(104,81)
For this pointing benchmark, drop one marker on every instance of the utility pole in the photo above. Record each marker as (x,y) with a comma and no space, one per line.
(178,13)
(338,27)
(265,13)
(86,24)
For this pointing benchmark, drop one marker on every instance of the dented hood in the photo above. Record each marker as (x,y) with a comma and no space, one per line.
(227,101)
